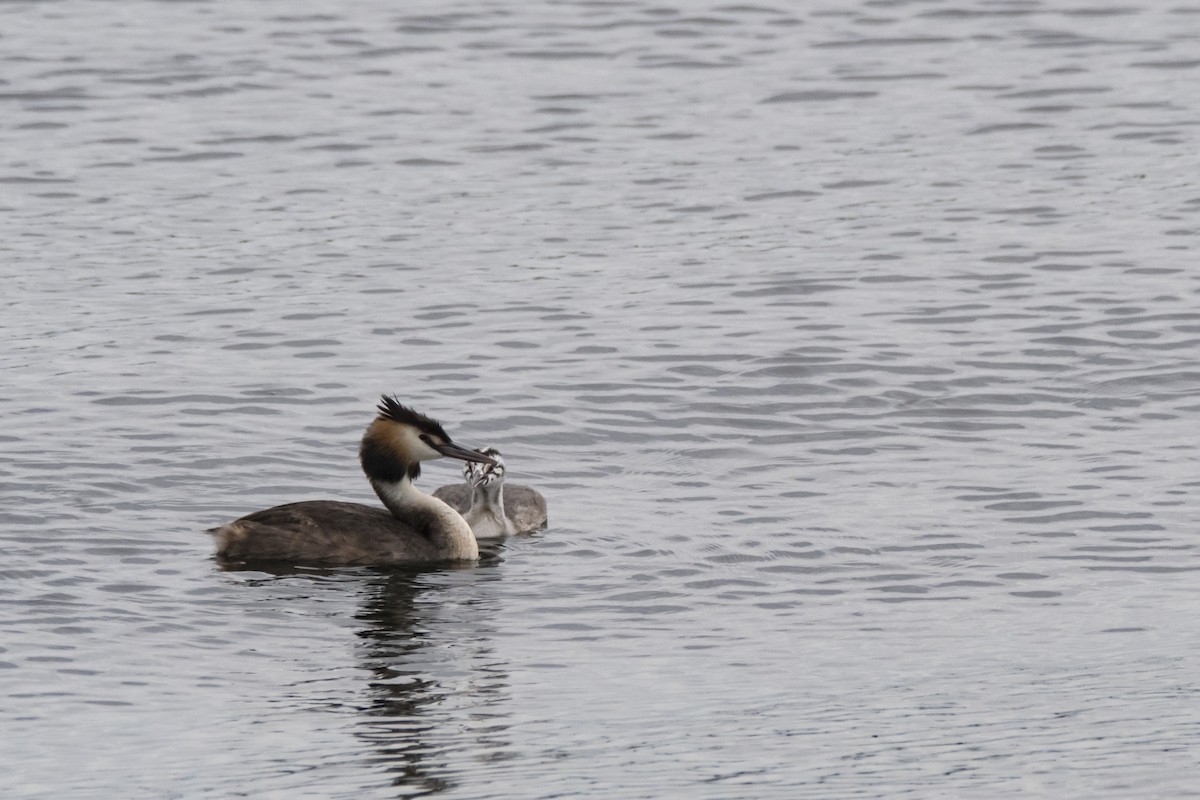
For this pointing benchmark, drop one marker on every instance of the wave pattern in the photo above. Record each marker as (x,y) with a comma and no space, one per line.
(857,352)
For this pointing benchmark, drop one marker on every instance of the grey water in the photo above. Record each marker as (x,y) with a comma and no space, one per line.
(855,345)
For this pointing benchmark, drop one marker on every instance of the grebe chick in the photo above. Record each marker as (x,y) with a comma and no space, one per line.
(418,529)
(490,507)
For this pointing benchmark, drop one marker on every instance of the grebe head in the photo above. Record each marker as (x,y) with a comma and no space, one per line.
(400,438)
(481,474)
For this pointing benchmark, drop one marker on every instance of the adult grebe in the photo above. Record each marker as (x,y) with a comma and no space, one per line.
(489,507)
(419,529)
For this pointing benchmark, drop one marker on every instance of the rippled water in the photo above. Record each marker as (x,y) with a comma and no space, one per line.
(855,346)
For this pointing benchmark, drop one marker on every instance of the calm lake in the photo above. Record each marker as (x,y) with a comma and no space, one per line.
(855,346)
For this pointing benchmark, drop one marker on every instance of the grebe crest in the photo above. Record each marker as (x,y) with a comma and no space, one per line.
(401,438)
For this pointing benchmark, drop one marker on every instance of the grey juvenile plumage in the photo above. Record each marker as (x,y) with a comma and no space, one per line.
(490,506)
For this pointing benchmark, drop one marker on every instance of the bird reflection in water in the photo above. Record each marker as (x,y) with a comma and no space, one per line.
(433,691)
(426,642)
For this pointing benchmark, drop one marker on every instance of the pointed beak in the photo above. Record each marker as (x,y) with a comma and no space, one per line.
(451,450)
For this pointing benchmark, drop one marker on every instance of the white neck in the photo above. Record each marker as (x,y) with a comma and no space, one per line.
(491,495)
(432,518)
(486,516)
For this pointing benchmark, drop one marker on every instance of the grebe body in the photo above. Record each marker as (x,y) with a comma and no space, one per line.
(491,507)
(415,527)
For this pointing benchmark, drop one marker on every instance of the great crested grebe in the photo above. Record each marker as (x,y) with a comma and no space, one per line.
(489,507)
(419,529)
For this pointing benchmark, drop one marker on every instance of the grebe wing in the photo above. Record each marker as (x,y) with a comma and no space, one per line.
(525,506)
(324,532)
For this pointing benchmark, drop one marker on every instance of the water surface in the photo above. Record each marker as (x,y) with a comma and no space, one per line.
(855,347)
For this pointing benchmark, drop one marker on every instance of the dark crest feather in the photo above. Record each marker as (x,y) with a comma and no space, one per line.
(393,409)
